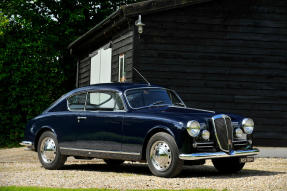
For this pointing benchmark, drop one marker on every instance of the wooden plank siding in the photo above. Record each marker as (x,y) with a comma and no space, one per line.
(84,72)
(228,56)
(122,44)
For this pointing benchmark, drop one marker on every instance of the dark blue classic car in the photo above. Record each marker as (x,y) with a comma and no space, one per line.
(121,122)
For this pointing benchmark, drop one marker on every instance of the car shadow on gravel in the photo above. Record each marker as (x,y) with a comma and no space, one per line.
(211,172)
(124,168)
(188,171)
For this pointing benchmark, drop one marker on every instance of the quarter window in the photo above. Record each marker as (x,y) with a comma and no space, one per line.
(104,101)
(77,102)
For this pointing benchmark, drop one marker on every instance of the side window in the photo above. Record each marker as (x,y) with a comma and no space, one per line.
(104,101)
(77,102)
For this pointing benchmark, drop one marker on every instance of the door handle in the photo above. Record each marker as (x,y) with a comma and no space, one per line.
(81,117)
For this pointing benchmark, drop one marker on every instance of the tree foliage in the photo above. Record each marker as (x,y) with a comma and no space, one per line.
(34,62)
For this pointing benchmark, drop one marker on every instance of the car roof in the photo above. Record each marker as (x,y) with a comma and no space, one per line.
(104,86)
(113,86)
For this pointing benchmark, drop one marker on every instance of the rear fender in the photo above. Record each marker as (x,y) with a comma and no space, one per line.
(39,132)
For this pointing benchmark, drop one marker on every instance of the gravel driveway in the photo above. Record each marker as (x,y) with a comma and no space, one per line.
(21,168)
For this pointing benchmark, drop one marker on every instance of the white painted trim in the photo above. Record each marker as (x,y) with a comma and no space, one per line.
(121,56)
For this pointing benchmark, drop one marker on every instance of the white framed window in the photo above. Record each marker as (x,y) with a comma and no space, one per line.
(122,74)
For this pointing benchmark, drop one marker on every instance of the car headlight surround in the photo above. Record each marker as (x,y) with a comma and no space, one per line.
(193,128)
(248,125)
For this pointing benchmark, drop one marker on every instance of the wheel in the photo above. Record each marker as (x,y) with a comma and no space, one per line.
(48,152)
(228,165)
(162,155)
(112,162)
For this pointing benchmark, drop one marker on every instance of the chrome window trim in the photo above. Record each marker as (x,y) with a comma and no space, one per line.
(101,151)
(108,90)
(213,123)
(99,90)
(125,95)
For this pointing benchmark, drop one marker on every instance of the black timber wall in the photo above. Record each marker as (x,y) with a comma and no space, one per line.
(84,70)
(121,43)
(228,56)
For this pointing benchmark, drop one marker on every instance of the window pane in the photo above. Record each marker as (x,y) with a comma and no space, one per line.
(151,96)
(105,101)
(77,102)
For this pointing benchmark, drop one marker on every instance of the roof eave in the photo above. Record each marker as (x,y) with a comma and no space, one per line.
(106,21)
(146,7)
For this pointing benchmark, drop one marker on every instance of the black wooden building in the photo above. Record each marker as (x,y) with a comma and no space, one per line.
(222,55)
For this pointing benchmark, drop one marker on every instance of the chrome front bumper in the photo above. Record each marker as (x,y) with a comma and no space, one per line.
(26,143)
(237,153)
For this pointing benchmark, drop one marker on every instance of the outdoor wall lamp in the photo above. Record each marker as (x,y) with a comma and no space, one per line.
(139,24)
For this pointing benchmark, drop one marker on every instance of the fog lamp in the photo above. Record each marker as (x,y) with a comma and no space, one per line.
(238,133)
(205,134)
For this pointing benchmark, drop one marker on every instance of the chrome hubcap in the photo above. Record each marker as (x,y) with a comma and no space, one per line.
(160,155)
(48,150)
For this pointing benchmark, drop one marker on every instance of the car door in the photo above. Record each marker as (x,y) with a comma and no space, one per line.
(100,127)
(67,122)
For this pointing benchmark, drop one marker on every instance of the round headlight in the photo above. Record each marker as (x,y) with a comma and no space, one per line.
(205,134)
(248,125)
(238,133)
(193,128)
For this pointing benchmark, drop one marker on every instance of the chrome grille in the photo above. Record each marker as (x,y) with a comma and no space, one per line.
(223,131)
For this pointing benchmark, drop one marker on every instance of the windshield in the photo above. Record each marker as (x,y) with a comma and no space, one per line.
(147,97)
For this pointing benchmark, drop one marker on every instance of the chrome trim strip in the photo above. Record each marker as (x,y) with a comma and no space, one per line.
(191,108)
(238,153)
(240,144)
(207,143)
(26,143)
(204,146)
(100,151)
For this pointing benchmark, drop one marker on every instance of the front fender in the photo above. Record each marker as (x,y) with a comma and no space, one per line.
(173,131)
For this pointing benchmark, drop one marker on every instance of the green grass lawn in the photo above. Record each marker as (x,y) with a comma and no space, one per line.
(17,188)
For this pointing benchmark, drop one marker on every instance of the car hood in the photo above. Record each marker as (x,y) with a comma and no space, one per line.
(185,114)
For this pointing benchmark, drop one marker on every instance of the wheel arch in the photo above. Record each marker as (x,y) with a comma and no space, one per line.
(40,132)
(149,134)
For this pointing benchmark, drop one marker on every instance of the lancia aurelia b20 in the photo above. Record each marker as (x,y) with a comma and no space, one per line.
(121,122)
